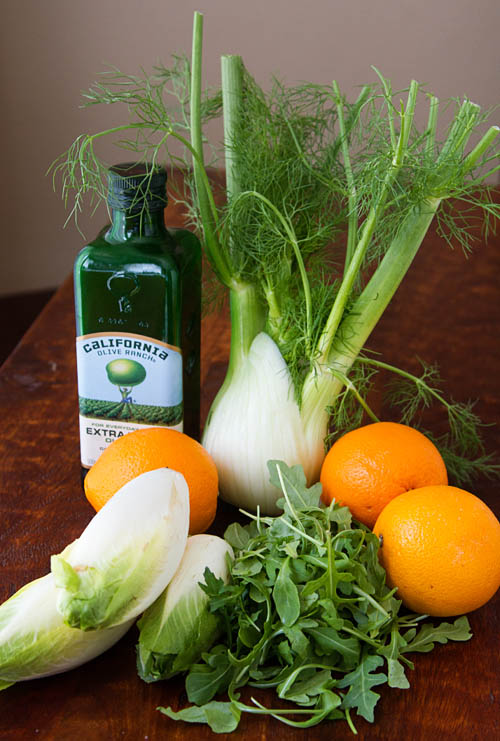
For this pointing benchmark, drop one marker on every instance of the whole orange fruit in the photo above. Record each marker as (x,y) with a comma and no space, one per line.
(371,465)
(440,546)
(157,447)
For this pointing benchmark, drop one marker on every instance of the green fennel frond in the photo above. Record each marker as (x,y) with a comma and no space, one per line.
(156,130)
(283,147)
(464,470)
(468,218)
(292,331)
(331,196)
(462,446)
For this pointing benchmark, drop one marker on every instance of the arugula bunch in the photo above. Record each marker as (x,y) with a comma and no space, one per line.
(308,613)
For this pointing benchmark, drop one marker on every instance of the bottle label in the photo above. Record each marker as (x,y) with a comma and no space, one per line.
(126,382)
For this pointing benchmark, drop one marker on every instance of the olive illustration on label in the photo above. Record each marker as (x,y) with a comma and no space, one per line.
(125,374)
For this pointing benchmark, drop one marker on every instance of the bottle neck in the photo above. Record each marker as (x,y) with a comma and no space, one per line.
(125,226)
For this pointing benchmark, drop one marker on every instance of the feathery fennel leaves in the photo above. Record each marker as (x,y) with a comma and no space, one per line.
(327,205)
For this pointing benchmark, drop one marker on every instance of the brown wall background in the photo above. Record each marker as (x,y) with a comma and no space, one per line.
(53,49)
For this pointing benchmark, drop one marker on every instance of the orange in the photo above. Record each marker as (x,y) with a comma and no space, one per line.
(156,447)
(440,547)
(371,465)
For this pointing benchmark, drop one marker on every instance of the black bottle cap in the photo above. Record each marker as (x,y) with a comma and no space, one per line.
(134,186)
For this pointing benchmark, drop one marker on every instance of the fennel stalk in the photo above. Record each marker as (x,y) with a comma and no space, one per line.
(302,165)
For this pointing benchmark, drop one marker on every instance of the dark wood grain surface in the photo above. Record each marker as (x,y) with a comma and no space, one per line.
(446,311)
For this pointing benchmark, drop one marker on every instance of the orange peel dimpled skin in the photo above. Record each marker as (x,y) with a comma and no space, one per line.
(157,447)
(366,468)
(440,546)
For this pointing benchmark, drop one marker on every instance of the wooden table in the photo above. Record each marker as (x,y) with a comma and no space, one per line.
(447,311)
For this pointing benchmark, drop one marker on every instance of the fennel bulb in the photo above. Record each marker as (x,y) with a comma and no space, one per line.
(315,166)
(127,554)
(289,186)
(256,418)
(35,642)
(179,627)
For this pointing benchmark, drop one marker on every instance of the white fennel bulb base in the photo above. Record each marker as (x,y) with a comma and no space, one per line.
(254,419)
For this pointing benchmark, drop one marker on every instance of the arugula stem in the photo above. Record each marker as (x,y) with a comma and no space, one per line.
(331,566)
(317,714)
(349,721)
(287,498)
(293,676)
(303,534)
(370,599)
(362,636)
(274,711)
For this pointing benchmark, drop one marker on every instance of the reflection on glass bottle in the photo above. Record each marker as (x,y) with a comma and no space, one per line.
(123,286)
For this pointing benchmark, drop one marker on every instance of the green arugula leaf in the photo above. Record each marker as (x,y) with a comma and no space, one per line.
(342,517)
(328,640)
(286,596)
(248,634)
(247,567)
(308,613)
(294,486)
(285,651)
(326,708)
(428,635)
(360,681)
(237,536)
(298,641)
(396,676)
(222,717)
(290,548)
(305,683)
(204,681)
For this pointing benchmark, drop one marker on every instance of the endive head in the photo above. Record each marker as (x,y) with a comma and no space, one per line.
(179,627)
(35,642)
(256,418)
(127,554)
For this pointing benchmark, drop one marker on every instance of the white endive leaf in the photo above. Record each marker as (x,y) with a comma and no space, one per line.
(127,554)
(35,642)
(179,627)
(255,419)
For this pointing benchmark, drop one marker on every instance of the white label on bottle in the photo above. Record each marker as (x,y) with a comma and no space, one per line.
(126,382)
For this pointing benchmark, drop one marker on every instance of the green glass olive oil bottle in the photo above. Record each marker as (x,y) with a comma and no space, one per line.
(137,300)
